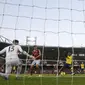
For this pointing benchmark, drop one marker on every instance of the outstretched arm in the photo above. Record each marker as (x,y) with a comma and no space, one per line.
(24,52)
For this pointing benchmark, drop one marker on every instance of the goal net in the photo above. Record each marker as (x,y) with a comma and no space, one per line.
(51,23)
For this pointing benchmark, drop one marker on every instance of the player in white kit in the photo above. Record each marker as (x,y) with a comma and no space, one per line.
(12,58)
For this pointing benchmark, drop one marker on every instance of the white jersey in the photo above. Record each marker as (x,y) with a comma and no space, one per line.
(12,51)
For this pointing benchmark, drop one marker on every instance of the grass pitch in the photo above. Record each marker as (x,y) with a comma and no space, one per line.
(78,79)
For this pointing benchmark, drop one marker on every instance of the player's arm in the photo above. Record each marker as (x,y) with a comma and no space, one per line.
(3,51)
(39,54)
(24,52)
(67,57)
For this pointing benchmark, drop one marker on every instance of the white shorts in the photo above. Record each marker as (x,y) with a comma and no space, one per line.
(36,62)
(10,62)
(13,61)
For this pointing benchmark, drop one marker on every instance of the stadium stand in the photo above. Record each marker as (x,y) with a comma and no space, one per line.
(50,56)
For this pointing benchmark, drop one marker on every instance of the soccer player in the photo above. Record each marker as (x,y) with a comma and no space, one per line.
(82,67)
(12,58)
(37,54)
(68,63)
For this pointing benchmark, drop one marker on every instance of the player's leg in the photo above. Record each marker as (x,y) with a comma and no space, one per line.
(69,68)
(60,70)
(7,71)
(66,68)
(31,67)
(37,66)
(19,68)
(72,70)
(82,70)
(63,68)
(18,63)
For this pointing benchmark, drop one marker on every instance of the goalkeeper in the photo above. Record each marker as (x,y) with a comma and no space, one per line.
(12,58)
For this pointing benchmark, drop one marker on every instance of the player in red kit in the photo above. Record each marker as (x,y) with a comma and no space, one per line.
(37,54)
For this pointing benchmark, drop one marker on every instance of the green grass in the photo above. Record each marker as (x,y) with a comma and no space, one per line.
(45,80)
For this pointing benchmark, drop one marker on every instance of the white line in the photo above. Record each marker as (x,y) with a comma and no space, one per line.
(52,76)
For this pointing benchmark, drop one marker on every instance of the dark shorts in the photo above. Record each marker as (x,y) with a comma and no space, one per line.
(82,68)
(67,65)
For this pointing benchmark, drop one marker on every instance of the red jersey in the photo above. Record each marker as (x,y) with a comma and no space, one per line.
(35,53)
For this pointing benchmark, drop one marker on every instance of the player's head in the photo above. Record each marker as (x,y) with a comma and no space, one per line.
(69,54)
(35,47)
(16,42)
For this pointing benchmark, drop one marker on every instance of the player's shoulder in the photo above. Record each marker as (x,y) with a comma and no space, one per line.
(67,56)
(17,45)
(14,46)
(70,56)
(38,50)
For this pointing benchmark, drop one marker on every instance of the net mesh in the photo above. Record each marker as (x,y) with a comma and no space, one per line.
(56,19)
(54,23)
